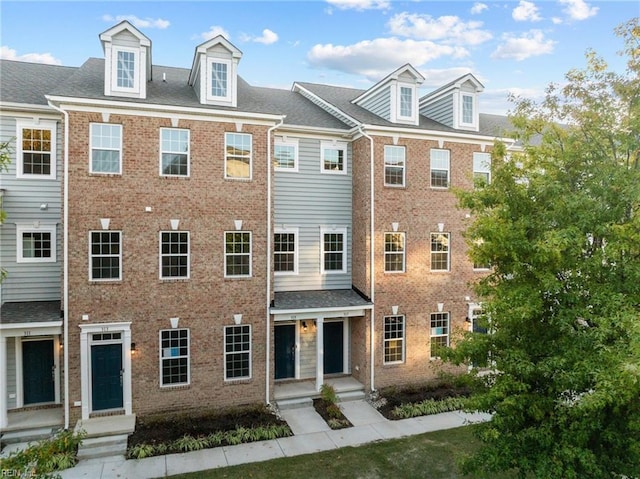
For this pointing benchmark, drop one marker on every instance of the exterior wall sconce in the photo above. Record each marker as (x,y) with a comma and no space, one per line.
(304,326)
(44,206)
(133,349)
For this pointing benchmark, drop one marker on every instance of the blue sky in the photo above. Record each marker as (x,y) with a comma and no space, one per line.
(515,46)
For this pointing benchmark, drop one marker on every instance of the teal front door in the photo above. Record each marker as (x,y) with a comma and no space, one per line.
(38,371)
(285,351)
(106,376)
(333,347)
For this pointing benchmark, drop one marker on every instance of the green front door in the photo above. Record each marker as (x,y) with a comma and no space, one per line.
(106,376)
(285,351)
(333,347)
(38,371)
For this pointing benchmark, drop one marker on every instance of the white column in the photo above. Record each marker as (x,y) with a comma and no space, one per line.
(319,352)
(126,389)
(4,418)
(85,363)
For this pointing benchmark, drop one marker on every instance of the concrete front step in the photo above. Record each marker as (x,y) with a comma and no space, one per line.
(351,395)
(294,403)
(28,435)
(106,446)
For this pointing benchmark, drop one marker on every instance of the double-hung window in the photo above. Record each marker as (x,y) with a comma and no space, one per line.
(406,102)
(174,152)
(285,155)
(36,245)
(394,252)
(333,250)
(36,150)
(125,69)
(393,339)
(440,259)
(106,149)
(482,168)
(285,251)
(105,255)
(237,352)
(174,255)
(394,165)
(237,254)
(467,109)
(174,357)
(439,332)
(219,87)
(334,157)
(237,157)
(439,168)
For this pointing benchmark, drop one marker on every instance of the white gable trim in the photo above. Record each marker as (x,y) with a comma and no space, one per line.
(375,89)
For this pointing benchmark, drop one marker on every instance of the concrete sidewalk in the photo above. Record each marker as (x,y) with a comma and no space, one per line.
(311,434)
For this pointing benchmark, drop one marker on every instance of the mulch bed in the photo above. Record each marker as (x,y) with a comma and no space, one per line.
(164,428)
(335,421)
(390,398)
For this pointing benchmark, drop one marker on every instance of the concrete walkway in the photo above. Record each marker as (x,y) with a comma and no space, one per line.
(311,434)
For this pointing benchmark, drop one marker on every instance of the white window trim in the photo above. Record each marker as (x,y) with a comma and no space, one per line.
(295,232)
(414,104)
(431,336)
(160,256)
(161,359)
(30,228)
(440,169)
(331,230)
(238,178)
(104,280)
(291,143)
(404,252)
(119,149)
(178,152)
(404,167)
(431,252)
(331,145)
(36,125)
(385,340)
(114,70)
(224,358)
(224,250)
(474,106)
(209,78)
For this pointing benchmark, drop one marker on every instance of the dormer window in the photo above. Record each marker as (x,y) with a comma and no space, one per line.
(125,75)
(219,80)
(406,102)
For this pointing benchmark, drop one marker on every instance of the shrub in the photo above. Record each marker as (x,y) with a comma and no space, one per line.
(428,406)
(328,393)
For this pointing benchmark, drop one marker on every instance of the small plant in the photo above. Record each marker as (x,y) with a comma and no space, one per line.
(215,439)
(334,411)
(429,406)
(328,393)
(140,451)
(187,443)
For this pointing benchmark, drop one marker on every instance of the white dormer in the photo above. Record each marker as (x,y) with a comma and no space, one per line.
(395,97)
(127,61)
(214,72)
(455,104)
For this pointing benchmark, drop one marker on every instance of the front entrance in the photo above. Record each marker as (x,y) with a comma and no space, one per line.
(38,371)
(106,376)
(285,351)
(333,345)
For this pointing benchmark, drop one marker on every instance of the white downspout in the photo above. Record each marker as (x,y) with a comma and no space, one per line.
(372,294)
(65,262)
(268,335)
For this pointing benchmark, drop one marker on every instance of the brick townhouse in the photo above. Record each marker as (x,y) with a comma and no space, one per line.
(177,238)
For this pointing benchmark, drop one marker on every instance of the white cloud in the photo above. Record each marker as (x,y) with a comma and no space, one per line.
(376,58)
(7,53)
(556,20)
(578,9)
(529,44)
(214,31)
(360,5)
(526,11)
(139,22)
(449,28)
(478,8)
(268,37)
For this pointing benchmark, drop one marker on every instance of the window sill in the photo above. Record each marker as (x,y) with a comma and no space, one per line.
(396,187)
(174,280)
(394,364)
(233,382)
(241,180)
(105,281)
(177,387)
(395,272)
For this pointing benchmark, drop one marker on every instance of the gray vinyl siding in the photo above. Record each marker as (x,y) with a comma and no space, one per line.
(308,343)
(380,104)
(309,200)
(126,39)
(21,202)
(440,110)
(11,373)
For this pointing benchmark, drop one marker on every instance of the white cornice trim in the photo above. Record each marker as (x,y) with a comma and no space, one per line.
(432,135)
(27,107)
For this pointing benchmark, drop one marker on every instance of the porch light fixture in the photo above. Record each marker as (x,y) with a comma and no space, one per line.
(304,326)
(133,349)
(44,206)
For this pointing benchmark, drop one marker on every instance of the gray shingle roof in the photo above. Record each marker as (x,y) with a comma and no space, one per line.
(30,312)
(331,298)
(22,82)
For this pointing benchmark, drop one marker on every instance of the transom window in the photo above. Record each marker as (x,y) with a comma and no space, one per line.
(467,109)
(439,332)
(36,150)
(36,245)
(482,168)
(219,79)
(237,352)
(393,339)
(174,152)
(394,162)
(440,251)
(126,67)
(406,102)
(174,254)
(334,250)
(106,148)
(174,357)
(394,244)
(105,256)
(439,168)
(334,158)
(285,155)
(238,147)
(285,257)
(237,254)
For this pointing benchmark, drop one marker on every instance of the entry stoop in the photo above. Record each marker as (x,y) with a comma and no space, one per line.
(351,395)
(294,403)
(106,436)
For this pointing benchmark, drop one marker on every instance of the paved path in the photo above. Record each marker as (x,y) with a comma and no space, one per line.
(311,434)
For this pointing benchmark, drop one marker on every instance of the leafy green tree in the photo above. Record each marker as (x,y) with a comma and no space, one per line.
(560,225)
(5,160)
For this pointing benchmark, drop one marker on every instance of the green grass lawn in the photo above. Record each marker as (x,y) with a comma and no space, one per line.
(433,455)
